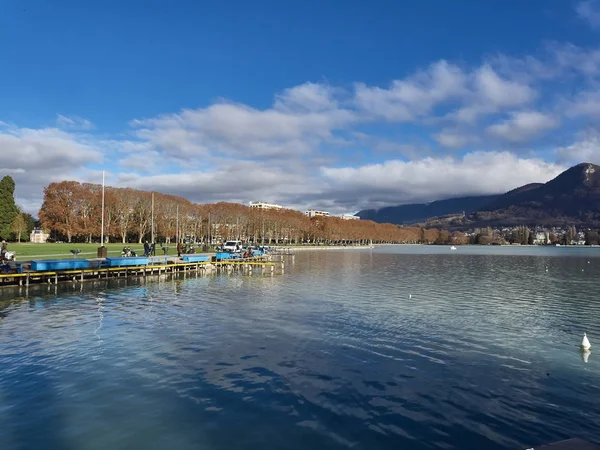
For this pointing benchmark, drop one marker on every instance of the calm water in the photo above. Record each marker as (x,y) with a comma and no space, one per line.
(394,348)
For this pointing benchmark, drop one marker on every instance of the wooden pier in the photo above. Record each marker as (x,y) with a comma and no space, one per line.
(28,276)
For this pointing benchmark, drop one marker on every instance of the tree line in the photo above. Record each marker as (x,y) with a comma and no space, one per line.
(72,211)
(14,223)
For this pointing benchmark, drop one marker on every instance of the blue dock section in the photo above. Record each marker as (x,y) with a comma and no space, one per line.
(127,261)
(59,264)
(195,258)
(52,271)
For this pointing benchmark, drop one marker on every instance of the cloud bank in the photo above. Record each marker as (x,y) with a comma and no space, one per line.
(444,130)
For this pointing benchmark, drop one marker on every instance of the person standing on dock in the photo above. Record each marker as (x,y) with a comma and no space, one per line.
(179,249)
(146,249)
(4,248)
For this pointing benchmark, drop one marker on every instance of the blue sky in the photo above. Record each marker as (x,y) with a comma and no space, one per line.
(336,105)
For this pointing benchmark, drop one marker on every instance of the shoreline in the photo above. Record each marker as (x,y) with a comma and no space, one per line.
(323,247)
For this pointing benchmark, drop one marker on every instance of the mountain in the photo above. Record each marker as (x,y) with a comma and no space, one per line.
(572,198)
(419,212)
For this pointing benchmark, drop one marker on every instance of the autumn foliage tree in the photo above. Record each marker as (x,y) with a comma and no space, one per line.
(72,211)
(59,212)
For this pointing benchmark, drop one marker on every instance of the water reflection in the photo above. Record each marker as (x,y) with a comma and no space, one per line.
(333,354)
(585,354)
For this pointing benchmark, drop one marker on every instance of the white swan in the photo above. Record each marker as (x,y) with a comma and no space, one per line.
(585,343)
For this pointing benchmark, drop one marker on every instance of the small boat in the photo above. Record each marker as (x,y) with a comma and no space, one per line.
(453,248)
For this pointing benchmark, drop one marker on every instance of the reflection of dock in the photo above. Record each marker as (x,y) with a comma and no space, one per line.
(570,444)
(99,269)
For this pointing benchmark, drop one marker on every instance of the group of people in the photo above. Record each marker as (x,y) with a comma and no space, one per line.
(149,249)
(4,265)
(185,249)
(128,252)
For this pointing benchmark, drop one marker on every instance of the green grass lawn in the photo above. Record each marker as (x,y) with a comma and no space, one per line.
(26,251)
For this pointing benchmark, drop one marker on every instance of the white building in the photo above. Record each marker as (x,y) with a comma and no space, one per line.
(38,236)
(264,205)
(314,213)
(349,217)
(541,238)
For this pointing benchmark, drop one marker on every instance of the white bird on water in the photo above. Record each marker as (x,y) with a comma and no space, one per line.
(409,295)
(585,343)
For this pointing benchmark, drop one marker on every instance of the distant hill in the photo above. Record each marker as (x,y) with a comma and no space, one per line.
(572,198)
(419,212)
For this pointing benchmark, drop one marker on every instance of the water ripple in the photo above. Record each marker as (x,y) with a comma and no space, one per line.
(400,347)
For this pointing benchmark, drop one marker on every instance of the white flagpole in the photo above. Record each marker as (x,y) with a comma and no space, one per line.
(102,225)
(153,217)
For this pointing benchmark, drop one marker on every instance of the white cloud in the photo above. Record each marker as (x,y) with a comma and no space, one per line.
(473,94)
(523,126)
(491,94)
(307,97)
(585,103)
(571,59)
(500,92)
(291,151)
(588,11)
(301,119)
(73,123)
(145,162)
(454,138)
(41,156)
(415,96)
(237,181)
(396,182)
(586,149)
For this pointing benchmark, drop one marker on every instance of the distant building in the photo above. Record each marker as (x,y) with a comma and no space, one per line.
(38,236)
(264,205)
(314,213)
(349,217)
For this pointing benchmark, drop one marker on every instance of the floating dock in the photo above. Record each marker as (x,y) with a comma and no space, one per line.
(78,270)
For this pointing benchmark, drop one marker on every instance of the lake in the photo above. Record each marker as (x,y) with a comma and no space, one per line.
(399,347)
